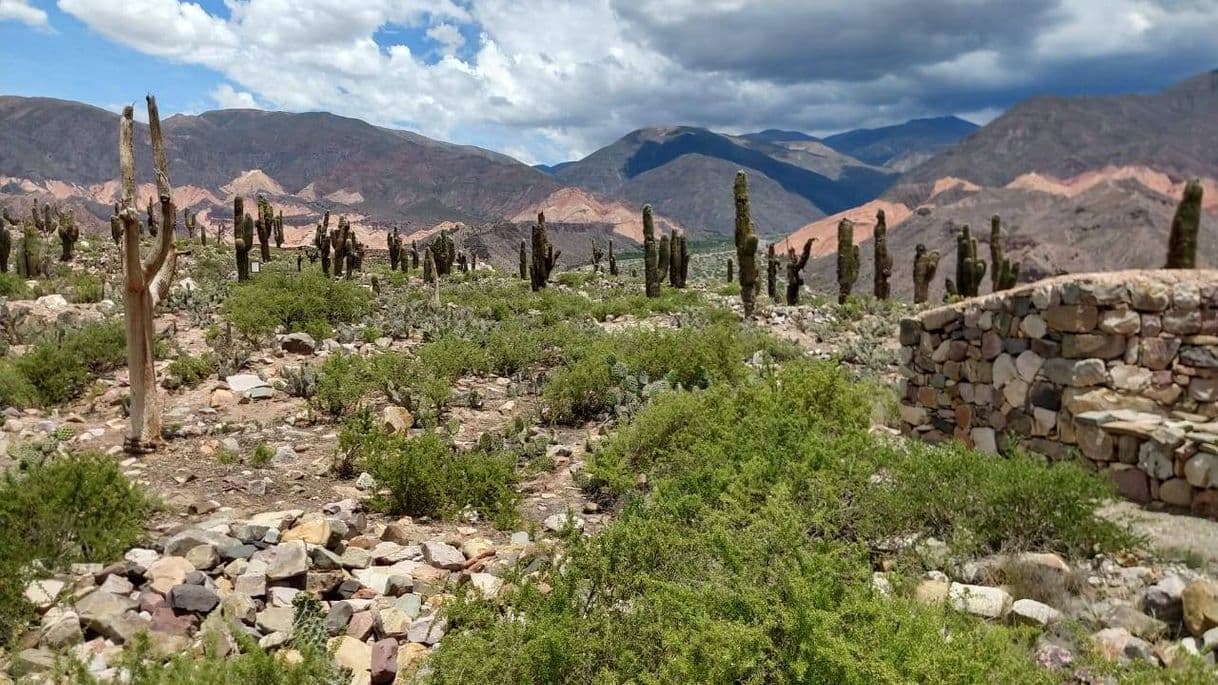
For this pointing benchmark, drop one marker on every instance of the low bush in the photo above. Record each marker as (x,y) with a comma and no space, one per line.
(307,301)
(58,512)
(424,476)
(748,557)
(14,286)
(189,371)
(342,382)
(59,370)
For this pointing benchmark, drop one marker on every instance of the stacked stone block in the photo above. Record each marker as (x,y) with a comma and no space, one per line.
(1118,369)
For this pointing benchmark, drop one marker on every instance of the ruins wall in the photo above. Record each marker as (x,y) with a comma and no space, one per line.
(1119,369)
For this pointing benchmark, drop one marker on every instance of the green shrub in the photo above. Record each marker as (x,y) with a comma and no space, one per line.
(262,455)
(306,301)
(748,559)
(60,370)
(451,357)
(189,371)
(426,477)
(342,382)
(58,512)
(15,389)
(14,286)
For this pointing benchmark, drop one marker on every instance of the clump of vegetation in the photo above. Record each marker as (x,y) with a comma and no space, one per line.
(189,371)
(769,488)
(307,302)
(58,512)
(424,476)
(262,455)
(54,371)
(13,286)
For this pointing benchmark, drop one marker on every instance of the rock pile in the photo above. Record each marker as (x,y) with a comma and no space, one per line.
(381,586)
(1122,367)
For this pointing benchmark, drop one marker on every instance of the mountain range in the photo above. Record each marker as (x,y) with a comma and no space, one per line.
(1081,183)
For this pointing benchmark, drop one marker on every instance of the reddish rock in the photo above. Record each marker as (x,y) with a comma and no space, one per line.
(362,625)
(165,621)
(1132,484)
(384,661)
(1205,503)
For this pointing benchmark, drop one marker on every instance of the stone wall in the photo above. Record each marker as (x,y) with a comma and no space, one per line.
(1119,369)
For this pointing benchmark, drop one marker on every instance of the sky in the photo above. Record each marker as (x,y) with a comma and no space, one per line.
(547,81)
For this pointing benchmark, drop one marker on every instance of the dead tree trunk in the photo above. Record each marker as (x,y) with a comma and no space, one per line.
(147,279)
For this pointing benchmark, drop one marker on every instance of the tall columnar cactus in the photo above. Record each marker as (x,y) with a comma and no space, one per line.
(116,226)
(238,215)
(1182,243)
(462,262)
(29,258)
(544,257)
(746,244)
(1004,273)
(188,222)
(444,250)
(429,267)
(431,276)
(883,260)
(612,260)
(414,254)
(265,224)
(242,243)
(664,257)
(279,229)
(154,224)
(795,270)
(68,235)
(338,245)
(6,245)
(37,214)
(847,260)
(678,262)
(393,242)
(524,260)
(351,254)
(771,273)
(651,255)
(321,241)
(924,268)
(970,269)
(147,280)
(730,270)
(597,255)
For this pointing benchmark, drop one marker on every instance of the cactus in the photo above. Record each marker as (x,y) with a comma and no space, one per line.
(795,270)
(414,254)
(524,261)
(238,215)
(68,235)
(242,242)
(429,267)
(678,262)
(279,230)
(394,244)
(300,260)
(771,273)
(188,221)
(147,280)
(663,258)
(29,258)
(265,225)
(612,260)
(37,215)
(116,226)
(925,265)
(651,256)
(969,268)
(544,257)
(321,241)
(883,260)
(462,262)
(6,245)
(746,244)
(154,225)
(1004,273)
(444,252)
(597,255)
(351,254)
(1182,243)
(730,270)
(949,290)
(847,260)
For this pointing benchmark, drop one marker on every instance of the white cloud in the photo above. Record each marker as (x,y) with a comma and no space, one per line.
(227,97)
(24,12)
(554,79)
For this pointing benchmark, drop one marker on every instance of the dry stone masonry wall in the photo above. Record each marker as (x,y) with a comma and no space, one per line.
(1120,369)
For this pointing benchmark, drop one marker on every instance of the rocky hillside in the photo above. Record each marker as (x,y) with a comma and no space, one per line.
(684,172)
(307,163)
(904,146)
(1172,131)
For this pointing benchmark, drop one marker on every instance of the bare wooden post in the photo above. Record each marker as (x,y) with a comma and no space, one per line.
(147,280)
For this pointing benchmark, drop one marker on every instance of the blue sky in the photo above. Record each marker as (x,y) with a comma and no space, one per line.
(548,80)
